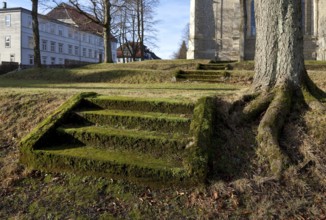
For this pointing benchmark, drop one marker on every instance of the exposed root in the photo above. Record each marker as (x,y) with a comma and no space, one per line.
(257,106)
(269,130)
(275,106)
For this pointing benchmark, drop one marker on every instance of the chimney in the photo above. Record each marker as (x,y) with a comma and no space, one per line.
(4,5)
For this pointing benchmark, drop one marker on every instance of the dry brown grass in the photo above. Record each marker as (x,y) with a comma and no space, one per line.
(20,112)
(237,188)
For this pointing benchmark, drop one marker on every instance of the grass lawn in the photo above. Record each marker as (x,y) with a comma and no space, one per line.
(235,187)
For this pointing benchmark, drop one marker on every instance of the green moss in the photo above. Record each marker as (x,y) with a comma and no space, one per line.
(151,121)
(213,66)
(146,105)
(116,163)
(153,145)
(270,128)
(197,157)
(158,144)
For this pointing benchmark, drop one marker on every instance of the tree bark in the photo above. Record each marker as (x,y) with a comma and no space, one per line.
(142,33)
(279,44)
(107,33)
(36,34)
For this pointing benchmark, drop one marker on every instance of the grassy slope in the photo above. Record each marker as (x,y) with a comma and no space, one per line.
(234,188)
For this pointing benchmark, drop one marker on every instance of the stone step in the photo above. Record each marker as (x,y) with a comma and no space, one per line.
(155,143)
(218,66)
(139,104)
(204,72)
(204,77)
(92,160)
(149,121)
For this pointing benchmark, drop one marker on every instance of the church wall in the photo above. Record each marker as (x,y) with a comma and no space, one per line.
(202,30)
(215,30)
(321,30)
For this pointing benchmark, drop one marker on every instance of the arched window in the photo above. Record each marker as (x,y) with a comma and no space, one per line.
(252,19)
(308,11)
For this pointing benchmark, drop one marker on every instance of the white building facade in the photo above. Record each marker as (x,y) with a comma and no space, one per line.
(60,43)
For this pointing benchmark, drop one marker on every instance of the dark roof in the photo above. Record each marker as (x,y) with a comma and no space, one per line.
(69,14)
(147,53)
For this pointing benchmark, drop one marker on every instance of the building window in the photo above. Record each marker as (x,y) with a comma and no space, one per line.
(30,42)
(95,54)
(252,19)
(52,60)
(60,47)
(90,53)
(70,49)
(76,51)
(7,41)
(52,28)
(44,59)
(29,22)
(84,37)
(8,20)
(42,26)
(70,33)
(61,61)
(53,46)
(44,45)
(12,57)
(100,55)
(84,52)
(60,31)
(31,59)
(76,36)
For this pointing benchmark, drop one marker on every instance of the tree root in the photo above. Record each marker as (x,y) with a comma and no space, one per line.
(270,127)
(277,105)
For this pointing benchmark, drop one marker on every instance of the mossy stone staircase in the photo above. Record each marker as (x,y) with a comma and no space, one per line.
(211,73)
(138,139)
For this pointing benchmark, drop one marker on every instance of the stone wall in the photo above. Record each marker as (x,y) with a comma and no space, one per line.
(321,30)
(215,30)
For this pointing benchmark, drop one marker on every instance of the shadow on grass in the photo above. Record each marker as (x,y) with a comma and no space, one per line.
(234,150)
(234,144)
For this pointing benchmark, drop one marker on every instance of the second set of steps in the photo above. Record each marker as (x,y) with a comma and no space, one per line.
(211,72)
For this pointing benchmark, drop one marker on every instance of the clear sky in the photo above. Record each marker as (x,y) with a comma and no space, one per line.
(173,16)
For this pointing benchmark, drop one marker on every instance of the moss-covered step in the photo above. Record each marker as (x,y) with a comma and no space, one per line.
(205,72)
(214,66)
(150,121)
(139,104)
(104,148)
(157,144)
(92,160)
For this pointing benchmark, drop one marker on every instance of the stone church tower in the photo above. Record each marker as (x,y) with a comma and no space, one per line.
(226,30)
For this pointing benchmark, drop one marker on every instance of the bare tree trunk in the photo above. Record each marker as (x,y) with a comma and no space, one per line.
(36,35)
(279,44)
(107,33)
(142,33)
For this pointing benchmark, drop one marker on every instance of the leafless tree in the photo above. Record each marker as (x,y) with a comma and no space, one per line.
(99,12)
(36,34)
(136,23)
(181,53)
